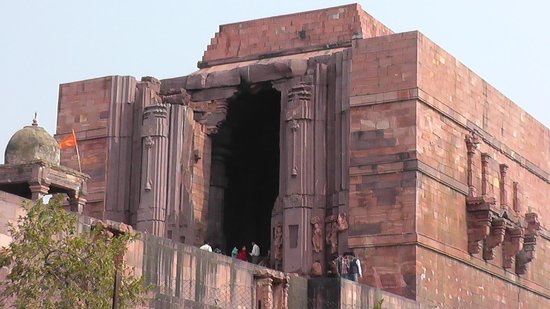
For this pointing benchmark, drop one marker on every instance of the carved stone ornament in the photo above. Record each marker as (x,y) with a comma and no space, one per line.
(472,143)
(495,238)
(278,242)
(317,234)
(342,222)
(332,233)
(479,216)
(148,143)
(513,243)
(316,269)
(527,254)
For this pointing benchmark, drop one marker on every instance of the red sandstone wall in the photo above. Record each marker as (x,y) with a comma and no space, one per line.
(98,111)
(200,182)
(84,107)
(452,100)
(382,142)
(332,26)
(471,100)
(405,87)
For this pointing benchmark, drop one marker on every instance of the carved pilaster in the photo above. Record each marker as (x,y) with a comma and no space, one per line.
(278,245)
(495,238)
(516,200)
(298,158)
(527,254)
(39,185)
(285,293)
(293,124)
(503,191)
(148,143)
(472,144)
(151,215)
(479,217)
(298,111)
(265,292)
(76,202)
(484,173)
(38,190)
(513,243)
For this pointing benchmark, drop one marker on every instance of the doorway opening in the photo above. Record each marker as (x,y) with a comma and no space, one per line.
(248,140)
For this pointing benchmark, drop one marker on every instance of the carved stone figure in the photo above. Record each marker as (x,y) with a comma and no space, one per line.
(332,236)
(278,241)
(316,270)
(317,234)
(342,222)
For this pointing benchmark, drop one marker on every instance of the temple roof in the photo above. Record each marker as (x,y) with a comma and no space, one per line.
(32,143)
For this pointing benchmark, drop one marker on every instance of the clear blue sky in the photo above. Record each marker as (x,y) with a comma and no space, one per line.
(45,43)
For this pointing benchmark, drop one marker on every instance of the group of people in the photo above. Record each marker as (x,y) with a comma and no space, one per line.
(241,254)
(347,266)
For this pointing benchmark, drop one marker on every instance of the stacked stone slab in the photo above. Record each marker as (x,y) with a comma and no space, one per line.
(377,157)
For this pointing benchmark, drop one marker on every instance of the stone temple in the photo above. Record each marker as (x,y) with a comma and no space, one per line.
(313,134)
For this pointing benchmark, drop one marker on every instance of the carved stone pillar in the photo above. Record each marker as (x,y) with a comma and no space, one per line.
(39,184)
(503,191)
(527,254)
(38,190)
(151,215)
(278,246)
(284,302)
(265,293)
(484,173)
(472,143)
(298,172)
(516,200)
(513,243)
(77,202)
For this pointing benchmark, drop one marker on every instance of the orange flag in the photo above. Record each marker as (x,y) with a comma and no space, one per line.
(68,142)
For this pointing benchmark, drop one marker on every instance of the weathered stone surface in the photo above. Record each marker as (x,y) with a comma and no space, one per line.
(421,154)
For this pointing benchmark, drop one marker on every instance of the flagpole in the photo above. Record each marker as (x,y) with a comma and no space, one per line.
(77,152)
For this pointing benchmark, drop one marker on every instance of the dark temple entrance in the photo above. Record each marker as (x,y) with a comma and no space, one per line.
(247,150)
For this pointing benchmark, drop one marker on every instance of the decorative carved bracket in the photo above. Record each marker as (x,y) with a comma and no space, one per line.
(479,217)
(513,243)
(214,116)
(495,238)
(527,254)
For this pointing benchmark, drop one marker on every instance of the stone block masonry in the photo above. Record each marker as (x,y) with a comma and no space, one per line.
(432,177)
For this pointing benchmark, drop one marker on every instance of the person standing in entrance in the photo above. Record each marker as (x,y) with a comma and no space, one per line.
(255,254)
(354,271)
(242,254)
(206,247)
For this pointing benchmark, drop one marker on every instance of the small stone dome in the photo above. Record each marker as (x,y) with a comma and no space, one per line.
(32,143)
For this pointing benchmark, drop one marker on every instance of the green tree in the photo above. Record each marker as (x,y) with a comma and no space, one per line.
(53,265)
